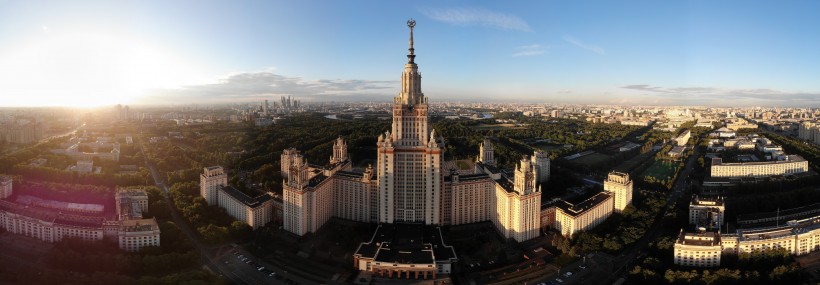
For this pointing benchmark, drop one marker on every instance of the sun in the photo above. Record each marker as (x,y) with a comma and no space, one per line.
(86,70)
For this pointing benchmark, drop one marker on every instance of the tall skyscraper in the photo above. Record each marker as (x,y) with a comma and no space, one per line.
(409,157)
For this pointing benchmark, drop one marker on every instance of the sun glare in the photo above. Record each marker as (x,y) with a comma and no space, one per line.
(86,70)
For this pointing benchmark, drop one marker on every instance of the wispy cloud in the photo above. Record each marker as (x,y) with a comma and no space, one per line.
(530,50)
(580,44)
(729,96)
(251,86)
(478,17)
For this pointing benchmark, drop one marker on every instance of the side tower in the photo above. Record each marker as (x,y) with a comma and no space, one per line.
(296,197)
(541,163)
(409,157)
(210,181)
(621,187)
(286,160)
(486,154)
(339,151)
(518,210)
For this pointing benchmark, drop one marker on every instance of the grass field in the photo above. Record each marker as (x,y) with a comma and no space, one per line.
(661,169)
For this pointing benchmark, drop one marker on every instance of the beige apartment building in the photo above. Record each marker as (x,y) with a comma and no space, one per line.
(698,249)
(798,237)
(254,211)
(793,164)
(620,186)
(210,181)
(706,212)
(62,220)
(135,234)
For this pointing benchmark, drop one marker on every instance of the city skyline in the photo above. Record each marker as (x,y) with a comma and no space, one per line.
(712,54)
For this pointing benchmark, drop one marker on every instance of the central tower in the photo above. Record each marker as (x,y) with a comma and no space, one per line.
(409,157)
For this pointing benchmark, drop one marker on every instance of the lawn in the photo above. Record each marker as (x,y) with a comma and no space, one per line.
(661,169)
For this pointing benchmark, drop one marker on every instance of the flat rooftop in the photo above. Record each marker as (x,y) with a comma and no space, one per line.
(789,159)
(140,225)
(406,244)
(583,206)
(245,199)
(699,239)
(77,207)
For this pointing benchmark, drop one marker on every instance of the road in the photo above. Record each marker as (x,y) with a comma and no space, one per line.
(222,262)
(185,228)
(623,262)
(626,260)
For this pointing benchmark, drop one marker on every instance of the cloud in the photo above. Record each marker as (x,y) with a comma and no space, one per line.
(729,95)
(530,50)
(250,86)
(478,17)
(580,44)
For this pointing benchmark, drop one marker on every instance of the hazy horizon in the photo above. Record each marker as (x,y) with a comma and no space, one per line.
(726,54)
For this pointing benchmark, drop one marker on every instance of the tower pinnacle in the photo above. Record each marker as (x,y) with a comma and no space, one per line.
(410,56)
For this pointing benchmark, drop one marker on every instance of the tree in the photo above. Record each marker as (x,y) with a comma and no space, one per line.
(240,230)
(213,234)
(565,246)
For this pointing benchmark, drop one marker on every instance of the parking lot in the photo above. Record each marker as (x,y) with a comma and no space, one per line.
(252,270)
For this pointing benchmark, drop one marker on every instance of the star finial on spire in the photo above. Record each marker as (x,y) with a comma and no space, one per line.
(411,24)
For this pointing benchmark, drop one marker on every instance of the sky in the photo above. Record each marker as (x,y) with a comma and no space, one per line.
(713,53)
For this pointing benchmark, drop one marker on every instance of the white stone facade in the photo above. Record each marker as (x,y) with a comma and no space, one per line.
(620,186)
(210,181)
(583,216)
(793,164)
(135,234)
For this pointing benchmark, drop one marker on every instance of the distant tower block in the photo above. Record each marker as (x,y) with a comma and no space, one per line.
(339,151)
(210,181)
(5,186)
(487,152)
(541,161)
(619,184)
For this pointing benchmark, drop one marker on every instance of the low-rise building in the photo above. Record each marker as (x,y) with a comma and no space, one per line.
(405,251)
(792,164)
(131,203)
(254,211)
(706,212)
(701,249)
(133,235)
(572,218)
(52,221)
